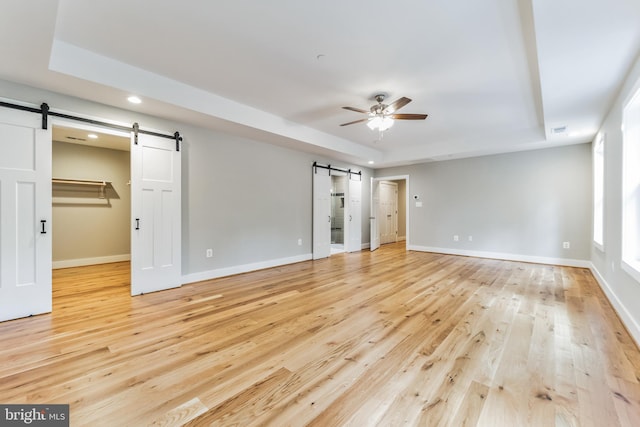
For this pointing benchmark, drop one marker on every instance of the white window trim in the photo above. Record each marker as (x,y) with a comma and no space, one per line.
(630,263)
(633,269)
(598,246)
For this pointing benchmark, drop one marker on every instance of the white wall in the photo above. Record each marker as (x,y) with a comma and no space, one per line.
(247,200)
(621,288)
(516,206)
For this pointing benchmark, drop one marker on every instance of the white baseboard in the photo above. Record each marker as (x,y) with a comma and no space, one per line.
(625,316)
(402,238)
(81,262)
(366,245)
(504,256)
(245,268)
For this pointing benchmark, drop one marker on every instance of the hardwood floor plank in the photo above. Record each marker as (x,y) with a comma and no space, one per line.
(541,364)
(242,408)
(390,337)
(507,401)
(468,412)
(594,396)
(182,414)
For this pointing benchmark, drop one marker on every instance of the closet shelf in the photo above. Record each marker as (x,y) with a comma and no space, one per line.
(101,184)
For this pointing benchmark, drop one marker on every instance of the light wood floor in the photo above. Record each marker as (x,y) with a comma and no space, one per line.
(384,338)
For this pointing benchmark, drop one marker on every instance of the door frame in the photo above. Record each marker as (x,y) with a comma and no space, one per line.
(373,209)
(69,123)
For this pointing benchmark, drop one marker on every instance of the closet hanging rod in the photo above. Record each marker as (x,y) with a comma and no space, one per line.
(79,182)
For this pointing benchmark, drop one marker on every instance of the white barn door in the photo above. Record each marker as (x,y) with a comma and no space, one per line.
(321,213)
(156,214)
(25,215)
(354,212)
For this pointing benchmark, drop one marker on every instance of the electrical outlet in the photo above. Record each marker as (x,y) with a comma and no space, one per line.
(209,253)
(299,242)
(566,245)
(471,238)
(456,238)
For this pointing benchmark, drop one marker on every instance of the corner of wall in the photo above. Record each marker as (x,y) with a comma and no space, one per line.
(625,316)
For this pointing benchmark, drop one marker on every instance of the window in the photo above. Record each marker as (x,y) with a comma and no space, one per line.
(598,192)
(631,186)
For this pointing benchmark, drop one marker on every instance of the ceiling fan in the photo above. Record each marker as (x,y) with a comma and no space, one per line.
(381,116)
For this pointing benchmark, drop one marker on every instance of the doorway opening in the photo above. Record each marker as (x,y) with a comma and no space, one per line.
(155,244)
(338,210)
(389,211)
(91,204)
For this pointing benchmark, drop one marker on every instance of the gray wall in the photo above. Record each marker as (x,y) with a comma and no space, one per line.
(525,203)
(622,289)
(85,226)
(247,200)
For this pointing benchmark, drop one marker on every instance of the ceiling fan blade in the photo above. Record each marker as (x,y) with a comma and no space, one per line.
(408,116)
(397,104)
(357,110)
(355,121)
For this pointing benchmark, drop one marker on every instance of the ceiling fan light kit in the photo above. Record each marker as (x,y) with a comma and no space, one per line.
(380,123)
(382,116)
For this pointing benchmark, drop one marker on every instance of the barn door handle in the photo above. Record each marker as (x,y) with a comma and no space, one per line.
(43,222)
(329,218)
(137,223)
(350,218)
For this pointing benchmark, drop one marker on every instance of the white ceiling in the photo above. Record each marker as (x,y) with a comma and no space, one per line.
(494,76)
(79,135)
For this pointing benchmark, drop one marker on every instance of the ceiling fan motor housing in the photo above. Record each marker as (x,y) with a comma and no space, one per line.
(378,109)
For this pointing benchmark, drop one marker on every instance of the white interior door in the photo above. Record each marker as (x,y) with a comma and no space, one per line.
(388,212)
(321,213)
(373,220)
(354,214)
(25,215)
(156,214)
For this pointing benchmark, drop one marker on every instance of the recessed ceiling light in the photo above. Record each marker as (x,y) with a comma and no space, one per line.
(371,162)
(93,136)
(134,99)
